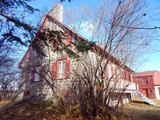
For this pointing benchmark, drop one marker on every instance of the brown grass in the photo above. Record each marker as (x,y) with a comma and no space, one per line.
(142,111)
(48,111)
(4,103)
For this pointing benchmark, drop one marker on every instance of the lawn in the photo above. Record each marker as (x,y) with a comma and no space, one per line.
(142,111)
(45,111)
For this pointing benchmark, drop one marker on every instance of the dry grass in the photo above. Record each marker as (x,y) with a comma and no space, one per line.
(143,111)
(157,102)
(47,111)
(4,103)
(31,111)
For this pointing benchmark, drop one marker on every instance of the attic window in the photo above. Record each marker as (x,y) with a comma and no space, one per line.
(68,39)
(55,45)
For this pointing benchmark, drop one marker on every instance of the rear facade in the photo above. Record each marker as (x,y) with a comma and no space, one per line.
(148,83)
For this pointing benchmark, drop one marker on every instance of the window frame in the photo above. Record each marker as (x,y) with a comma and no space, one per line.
(54,68)
(33,73)
(144,81)
(37,71)
(61,69)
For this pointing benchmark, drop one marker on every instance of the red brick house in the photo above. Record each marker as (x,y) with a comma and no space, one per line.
(32,84)
(148,83)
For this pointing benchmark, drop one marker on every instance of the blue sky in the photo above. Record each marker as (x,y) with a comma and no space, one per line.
(151,61)
(153,58)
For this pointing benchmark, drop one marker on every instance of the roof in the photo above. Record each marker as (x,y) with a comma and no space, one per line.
(95,48)
(145,73)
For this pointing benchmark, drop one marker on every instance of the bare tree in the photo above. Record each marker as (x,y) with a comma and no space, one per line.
(13,21)
(91,85)
(115,29)
(15,33)
(8,73)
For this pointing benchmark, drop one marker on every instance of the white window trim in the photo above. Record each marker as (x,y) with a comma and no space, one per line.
(61,69)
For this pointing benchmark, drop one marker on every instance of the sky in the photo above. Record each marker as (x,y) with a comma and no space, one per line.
(153,57)
(151,60)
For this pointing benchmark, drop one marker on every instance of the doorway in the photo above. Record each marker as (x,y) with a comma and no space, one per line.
(145,92)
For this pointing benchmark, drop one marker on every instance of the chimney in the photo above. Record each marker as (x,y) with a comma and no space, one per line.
(57,12)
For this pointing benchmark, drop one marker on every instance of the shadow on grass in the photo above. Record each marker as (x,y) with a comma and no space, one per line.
(140,102)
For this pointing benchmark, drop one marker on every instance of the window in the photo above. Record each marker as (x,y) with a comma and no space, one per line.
(55,45)
(37,74)
(61,68)
(144,81)
(68,39)
(113,70)
(109,71)
(34,53)
(121,73)
(118,73)
(26,93)
(127,75)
